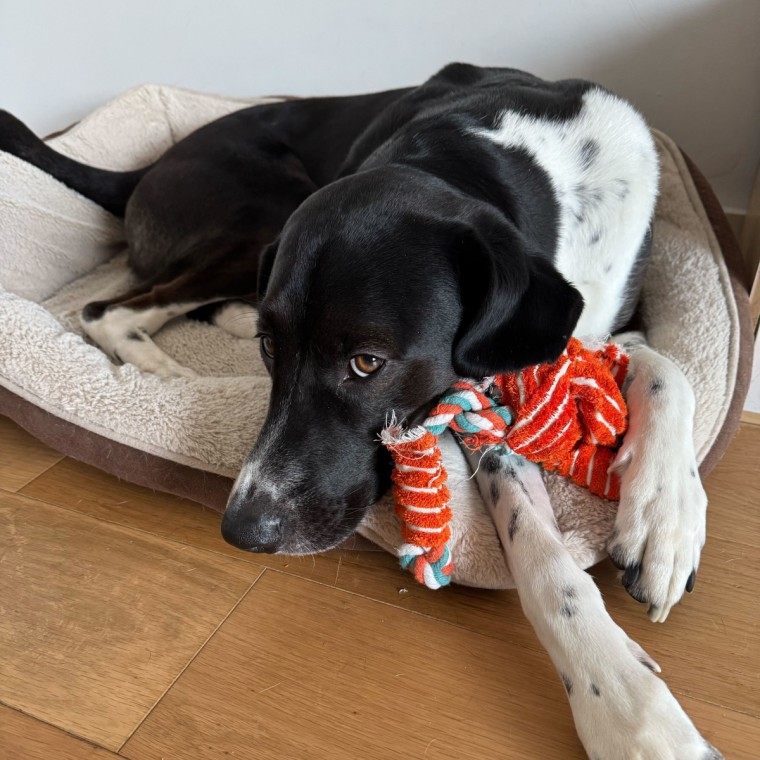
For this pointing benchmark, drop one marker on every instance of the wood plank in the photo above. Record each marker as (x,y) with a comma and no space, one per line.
(736,735)
(82,488)
(709,647)
(733,488)
(22,457)
(725,589)
(25,738)
(719,621)
(302,670)
(725,593)
(79,487)
(96,620)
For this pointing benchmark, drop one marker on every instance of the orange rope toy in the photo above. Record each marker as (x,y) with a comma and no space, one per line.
(568,416)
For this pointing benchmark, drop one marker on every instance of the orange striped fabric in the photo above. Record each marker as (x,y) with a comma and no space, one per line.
(570,415)
(420,492)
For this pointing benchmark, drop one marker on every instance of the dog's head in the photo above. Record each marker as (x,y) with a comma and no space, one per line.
(383,288)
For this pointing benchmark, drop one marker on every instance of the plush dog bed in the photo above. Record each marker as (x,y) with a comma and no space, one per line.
(189,436)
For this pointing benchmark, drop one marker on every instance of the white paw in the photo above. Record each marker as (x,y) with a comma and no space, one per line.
(125,334)
(660,525)
(166,367)
(625,712)
(119,332)
(148,357)
(237,318)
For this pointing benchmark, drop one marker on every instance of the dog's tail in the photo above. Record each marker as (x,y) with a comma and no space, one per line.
(108,189)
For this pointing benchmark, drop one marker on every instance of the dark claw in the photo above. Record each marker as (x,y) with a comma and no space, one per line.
(638,593)
(647,664)
(631,575)
(690,581)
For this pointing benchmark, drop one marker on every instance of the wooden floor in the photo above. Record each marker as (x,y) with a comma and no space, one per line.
(129,629)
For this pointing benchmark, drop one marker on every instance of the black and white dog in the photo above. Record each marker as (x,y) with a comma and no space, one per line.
(392,243)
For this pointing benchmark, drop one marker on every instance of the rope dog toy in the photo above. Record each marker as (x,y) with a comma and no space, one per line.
(568,416)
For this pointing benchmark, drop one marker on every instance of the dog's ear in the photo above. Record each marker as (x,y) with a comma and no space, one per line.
(266,262)
(517,310)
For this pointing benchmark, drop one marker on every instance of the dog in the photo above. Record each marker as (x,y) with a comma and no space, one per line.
(395,242)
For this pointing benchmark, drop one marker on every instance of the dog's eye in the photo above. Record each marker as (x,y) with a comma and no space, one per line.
(363,365)
(267,346)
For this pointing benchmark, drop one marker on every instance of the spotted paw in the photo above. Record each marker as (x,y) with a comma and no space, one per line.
(660,526)
(623,710)
(150,359)
(173,370)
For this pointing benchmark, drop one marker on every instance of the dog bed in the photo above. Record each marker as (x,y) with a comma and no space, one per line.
(189,436)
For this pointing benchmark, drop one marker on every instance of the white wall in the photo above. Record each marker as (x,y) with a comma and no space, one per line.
(692,66)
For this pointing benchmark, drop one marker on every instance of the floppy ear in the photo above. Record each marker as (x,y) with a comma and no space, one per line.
(517,310)
(266,262)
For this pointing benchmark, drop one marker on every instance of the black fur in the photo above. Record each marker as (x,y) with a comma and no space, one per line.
(514,524)
(492,462)
(511,472)
(110,189)
(647,664)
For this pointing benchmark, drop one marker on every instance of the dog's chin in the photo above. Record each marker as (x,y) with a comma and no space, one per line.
(304,545)
(305,539)
(306,548)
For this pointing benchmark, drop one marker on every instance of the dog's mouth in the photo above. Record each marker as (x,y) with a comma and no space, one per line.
(270,536)
(262,523)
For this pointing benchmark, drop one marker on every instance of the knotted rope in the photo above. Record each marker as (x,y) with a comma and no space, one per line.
(568,416)
(419,478)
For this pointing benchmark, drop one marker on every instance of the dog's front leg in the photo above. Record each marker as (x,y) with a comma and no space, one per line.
(621,709)
(660,526)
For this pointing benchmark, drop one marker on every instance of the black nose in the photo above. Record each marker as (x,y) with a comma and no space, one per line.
(252,525)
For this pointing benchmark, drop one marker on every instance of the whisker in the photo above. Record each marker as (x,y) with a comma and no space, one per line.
(246,317)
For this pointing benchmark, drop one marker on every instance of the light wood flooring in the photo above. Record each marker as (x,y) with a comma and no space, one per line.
(129,629)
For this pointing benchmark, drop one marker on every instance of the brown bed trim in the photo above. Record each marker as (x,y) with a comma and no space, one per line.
(737,272)
(211,490)
(117,459)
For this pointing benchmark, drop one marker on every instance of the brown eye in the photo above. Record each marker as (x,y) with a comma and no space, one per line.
(267,346)
(363,365)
